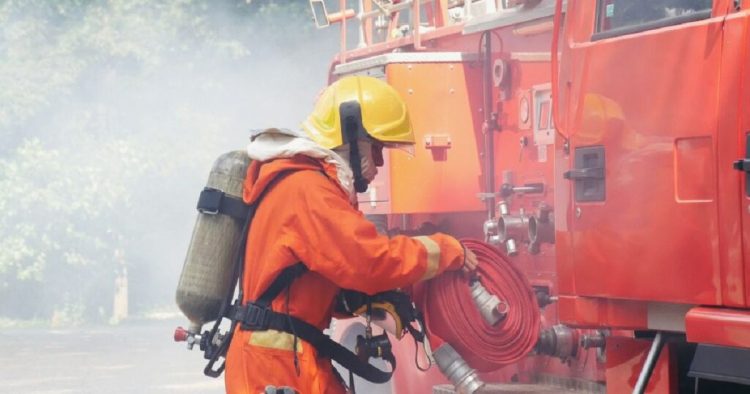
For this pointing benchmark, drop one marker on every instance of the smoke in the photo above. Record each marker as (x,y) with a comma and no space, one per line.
(112,113)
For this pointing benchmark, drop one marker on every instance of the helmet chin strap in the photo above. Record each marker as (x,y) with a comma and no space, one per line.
(351,122)
(355,161)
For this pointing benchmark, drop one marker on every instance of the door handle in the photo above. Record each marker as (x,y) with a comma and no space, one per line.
(742,165)
(584,173)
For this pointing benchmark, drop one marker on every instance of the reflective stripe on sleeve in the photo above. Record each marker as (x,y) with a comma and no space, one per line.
(433,256)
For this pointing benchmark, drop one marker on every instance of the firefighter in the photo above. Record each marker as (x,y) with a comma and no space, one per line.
(308,240)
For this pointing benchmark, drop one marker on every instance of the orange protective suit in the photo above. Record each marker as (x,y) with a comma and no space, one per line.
(307,217)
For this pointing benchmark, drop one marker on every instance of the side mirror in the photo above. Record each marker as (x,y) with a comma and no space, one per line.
(319,13)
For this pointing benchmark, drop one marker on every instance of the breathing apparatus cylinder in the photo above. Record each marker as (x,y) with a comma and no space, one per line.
(207,273)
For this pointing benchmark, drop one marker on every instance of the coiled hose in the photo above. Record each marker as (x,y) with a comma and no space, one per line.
(452,316)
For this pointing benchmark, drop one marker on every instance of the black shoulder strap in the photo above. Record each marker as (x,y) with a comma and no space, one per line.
(252,209)
(282,281)
(247,214)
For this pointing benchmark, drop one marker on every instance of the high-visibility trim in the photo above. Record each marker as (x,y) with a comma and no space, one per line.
(433,256)
(274,339)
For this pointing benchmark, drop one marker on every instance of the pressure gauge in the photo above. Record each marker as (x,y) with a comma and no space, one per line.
(524,110)
(500,73)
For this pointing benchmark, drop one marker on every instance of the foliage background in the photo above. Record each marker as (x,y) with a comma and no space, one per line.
(111,113)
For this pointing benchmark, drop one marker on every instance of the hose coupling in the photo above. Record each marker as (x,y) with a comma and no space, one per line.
(455,368)
(492,309)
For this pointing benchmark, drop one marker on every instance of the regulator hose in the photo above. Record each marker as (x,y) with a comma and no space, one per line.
(452,316)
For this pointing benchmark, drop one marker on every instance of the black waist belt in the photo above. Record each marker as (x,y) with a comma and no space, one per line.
(255,317)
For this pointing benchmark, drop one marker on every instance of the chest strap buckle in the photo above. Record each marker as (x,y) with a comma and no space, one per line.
(253,317)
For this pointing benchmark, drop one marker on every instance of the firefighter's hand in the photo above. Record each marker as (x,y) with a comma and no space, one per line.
(470,262)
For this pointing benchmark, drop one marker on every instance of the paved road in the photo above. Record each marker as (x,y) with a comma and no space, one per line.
(136,357)
(131,358)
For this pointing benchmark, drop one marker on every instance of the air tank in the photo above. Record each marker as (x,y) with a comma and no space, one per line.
(207,272)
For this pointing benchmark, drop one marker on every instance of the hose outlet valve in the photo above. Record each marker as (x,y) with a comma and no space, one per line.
(491,232)
(510,247)
(191,336)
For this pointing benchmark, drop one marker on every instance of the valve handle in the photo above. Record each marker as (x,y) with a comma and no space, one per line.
(181,334)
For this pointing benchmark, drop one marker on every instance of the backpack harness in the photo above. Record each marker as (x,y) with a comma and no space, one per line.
(257,315)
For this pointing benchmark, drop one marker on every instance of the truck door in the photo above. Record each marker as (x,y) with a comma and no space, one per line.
(643,150)
(737,59)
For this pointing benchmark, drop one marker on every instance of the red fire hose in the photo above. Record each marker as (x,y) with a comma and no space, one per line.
(452,316)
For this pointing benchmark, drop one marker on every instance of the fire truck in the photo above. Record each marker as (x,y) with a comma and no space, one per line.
(602,147)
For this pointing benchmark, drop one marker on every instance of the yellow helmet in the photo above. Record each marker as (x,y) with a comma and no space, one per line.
(382,112)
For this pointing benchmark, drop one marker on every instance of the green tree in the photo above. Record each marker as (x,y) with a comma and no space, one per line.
(111,113)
